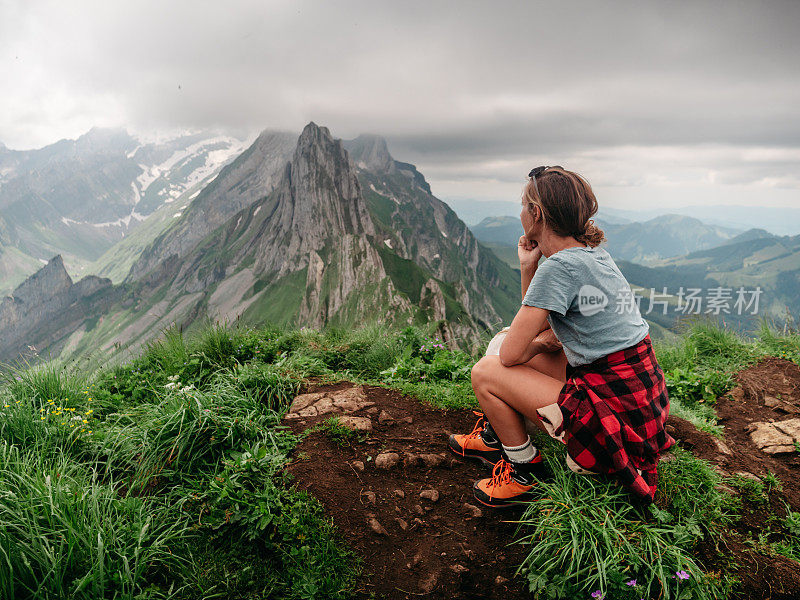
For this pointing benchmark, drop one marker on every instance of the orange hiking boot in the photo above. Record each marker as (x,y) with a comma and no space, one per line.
(510,483)
(482,443)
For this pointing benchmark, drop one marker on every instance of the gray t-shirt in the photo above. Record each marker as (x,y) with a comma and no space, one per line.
(592,309)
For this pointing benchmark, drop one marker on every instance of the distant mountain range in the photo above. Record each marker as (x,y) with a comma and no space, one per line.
(647,243)
(77,198)
(331,232)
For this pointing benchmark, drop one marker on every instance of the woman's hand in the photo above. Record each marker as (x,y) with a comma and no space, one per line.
(529,253)
(547,340)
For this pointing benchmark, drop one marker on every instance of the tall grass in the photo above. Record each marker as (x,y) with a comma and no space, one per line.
(64,534)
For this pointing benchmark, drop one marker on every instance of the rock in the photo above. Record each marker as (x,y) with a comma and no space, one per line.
(385,418)
(412,460)
(387,460)
(749,476)
(771,401)
(737,394)
(720,471)
(407,420)
(417,509)
(459,569)
(432,495)
(356,423)
(432,460)
(375,525)
(427,584)
(667,458)
(304,401)
(724,488)
(500,580)
(776,437)
(472,510)
(370,497)
(372,411)
(400,493)
(402,523)
(358,465)
(722,447)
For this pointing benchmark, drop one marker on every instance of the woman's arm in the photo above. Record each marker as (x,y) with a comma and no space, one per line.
(520,345)
(529,255)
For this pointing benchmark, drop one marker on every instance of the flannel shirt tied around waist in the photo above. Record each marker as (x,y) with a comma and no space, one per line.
(614,412)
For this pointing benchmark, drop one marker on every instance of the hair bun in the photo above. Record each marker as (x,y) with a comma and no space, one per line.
(592,234)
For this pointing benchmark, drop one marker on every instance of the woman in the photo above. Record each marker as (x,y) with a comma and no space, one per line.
(578,343)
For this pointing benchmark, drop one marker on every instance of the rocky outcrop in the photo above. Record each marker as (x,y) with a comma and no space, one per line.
(47,307)
(249,178)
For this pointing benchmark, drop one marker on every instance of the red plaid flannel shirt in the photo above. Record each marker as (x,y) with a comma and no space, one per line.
(614,412)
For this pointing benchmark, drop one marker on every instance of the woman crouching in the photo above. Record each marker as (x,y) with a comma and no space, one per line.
(576,360)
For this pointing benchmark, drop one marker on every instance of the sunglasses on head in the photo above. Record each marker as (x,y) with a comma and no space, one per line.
(535,172)
(538,171)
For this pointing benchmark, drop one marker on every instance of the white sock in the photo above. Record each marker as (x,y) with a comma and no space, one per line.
(521,454)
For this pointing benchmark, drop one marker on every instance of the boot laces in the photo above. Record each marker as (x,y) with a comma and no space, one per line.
(501,475)
(476,431)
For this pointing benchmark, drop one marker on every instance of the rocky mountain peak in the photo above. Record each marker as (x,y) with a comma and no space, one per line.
(371,152)
(105,139)
(50,280)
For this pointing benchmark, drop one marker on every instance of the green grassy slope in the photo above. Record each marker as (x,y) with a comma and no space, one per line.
(177,457)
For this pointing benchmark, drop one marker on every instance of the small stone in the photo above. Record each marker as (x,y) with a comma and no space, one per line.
(375,525)
(387,460)
(407,420)
(472,510)
(400,493)
(722,447)
(356,423)
(372,410)
(402,523)
(412,460)
(771,401)
(417,509)
(749,476)
(459,569)
(358,465)
(432,495)
(724,488)
(432,460)
(737,394)
(500,580)
(370,497)
(427,584)
(385,418)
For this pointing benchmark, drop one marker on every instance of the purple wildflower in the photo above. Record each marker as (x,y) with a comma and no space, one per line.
(682,574)
(631,583)
(597,594)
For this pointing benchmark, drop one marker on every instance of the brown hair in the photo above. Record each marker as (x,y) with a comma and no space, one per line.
(567,203)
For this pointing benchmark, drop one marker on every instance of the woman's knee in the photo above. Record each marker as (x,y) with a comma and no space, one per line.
(484,369)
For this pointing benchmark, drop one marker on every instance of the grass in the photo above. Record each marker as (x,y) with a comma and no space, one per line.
(163,477)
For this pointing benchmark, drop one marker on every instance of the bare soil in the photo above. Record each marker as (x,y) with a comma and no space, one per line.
(412,546)
(447,549)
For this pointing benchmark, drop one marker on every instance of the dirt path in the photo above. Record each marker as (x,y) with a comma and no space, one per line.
(414,522)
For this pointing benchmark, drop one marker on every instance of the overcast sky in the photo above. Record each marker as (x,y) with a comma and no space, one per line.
(656,103)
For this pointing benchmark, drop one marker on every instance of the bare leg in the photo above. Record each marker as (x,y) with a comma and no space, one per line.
(507,393)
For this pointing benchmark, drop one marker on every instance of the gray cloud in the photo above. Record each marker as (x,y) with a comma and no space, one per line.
(470,91)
